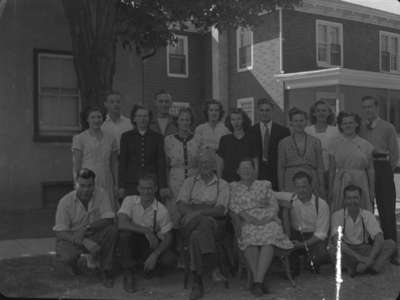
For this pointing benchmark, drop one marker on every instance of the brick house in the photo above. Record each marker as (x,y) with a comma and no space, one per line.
(325,49)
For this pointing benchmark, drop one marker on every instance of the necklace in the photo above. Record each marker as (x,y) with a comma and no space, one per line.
(297,147)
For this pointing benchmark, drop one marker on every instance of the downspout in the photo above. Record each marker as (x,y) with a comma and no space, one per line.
(280,41)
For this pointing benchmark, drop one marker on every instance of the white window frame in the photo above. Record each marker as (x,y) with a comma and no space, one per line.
(55,128)
(247,101)
(389,34)
(250,67)
(332,24)
(186,53)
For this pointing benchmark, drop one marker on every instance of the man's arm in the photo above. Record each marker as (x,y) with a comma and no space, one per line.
(125,223)
(393,148)
(164,245)
(376,248)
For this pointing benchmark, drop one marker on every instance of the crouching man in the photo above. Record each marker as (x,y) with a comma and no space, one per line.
(145,233)
(202,203)
(85,224)
(309,216)
(363,246)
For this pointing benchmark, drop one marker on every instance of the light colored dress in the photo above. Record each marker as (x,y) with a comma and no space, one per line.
(209,137)
(291,161)
(325,138)
(353,156)
(259,202)
(96,156)
(182,158)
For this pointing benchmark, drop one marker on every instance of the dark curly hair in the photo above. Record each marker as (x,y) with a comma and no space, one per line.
(344,114)
(87,111)
(294,111)
(331,116)
(207,105)
(246,122)
(135,108)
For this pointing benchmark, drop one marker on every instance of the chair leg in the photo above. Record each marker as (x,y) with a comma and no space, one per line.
(286,264)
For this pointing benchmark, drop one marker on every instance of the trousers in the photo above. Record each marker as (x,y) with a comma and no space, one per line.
(135,249)
(106,237)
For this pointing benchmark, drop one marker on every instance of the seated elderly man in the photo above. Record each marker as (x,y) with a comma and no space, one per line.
(363,246)
(202,200)
(85,224)
(145,233)
(309,215)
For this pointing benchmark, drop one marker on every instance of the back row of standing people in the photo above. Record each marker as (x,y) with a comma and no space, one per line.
(334,157)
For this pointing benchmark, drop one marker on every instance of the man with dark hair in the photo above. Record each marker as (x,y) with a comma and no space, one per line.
(163,122)
(115,123)
(84,224)
(145,233)
(309,216)
(267,135)
(382,135)
(359,253)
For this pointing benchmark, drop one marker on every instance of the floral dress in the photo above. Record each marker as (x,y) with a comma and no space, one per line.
(259,202)
(96,156)
(182,159)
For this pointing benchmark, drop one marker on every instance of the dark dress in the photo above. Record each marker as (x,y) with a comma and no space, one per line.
(232,150)
(141,154)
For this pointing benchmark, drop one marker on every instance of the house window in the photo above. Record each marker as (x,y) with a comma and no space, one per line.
(329,44)
(57,100)
(177,57)
(244,49)
(389,52)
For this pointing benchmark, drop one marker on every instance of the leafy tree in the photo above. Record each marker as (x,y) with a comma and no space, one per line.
(143,25)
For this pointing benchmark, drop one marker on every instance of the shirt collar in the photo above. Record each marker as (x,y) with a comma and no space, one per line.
(108,119)
(269,125)
(372,125)
(310,202)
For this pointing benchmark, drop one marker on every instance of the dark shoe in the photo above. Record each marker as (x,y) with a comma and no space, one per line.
(264,287)
(107,279)
(129,282)
(197,291)
(257,290)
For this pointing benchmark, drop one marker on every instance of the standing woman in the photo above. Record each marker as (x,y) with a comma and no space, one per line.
(322,119)
(97,150)
(300,152)
(209,133)
(181,150)
(235,146)
(353,164)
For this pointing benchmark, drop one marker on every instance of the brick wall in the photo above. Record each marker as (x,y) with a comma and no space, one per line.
(360,42)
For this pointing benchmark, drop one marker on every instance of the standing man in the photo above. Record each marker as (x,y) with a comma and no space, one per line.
(309,217)
(267,135)
(145,233)
(115,123)
(364,248)
(163,122)
(382,136)
(85,224)
(142,151)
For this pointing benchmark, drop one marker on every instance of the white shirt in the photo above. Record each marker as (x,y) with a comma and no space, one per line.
(116,129)
(132,207)
(263,129)
(354,232)
(304,216)
(163,122)
(325,138)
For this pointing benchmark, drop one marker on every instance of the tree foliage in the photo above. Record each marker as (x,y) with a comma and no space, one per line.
(144,25)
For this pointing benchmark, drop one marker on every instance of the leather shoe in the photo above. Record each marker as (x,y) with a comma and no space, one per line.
(264,287)
(257,290)
(129,282)
(197,291)
(107,279)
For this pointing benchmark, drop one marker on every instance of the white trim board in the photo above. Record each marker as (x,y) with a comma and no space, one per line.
(343,76)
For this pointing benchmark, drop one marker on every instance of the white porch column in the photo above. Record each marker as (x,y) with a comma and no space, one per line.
(2,6)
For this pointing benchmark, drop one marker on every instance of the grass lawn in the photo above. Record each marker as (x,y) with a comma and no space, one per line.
(37,277)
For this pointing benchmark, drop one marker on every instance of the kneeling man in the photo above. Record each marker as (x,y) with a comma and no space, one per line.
(85,224)
(145,233)
(309,216)
(363,246)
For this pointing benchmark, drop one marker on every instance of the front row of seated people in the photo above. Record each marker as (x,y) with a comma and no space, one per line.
(145,233)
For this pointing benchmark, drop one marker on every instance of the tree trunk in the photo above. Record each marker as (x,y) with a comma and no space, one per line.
(93,26)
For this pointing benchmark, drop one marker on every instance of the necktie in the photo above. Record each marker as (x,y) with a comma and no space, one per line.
(266,143)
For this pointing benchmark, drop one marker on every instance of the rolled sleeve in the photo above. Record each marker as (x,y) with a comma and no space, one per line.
(62,221)
(77,143)
(322,224)
(126,207)
(164,222)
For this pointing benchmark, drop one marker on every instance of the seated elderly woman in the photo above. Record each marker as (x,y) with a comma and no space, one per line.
(202,203)
(254,211)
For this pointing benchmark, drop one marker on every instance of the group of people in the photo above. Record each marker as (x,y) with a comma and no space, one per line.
(151,185)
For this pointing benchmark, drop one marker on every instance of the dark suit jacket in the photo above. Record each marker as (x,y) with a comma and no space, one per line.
(269,171)
(141,154)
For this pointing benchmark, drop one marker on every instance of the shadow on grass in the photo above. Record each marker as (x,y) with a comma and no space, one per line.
(36,276)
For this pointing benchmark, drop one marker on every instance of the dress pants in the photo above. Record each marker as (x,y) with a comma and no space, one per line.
(106,237)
